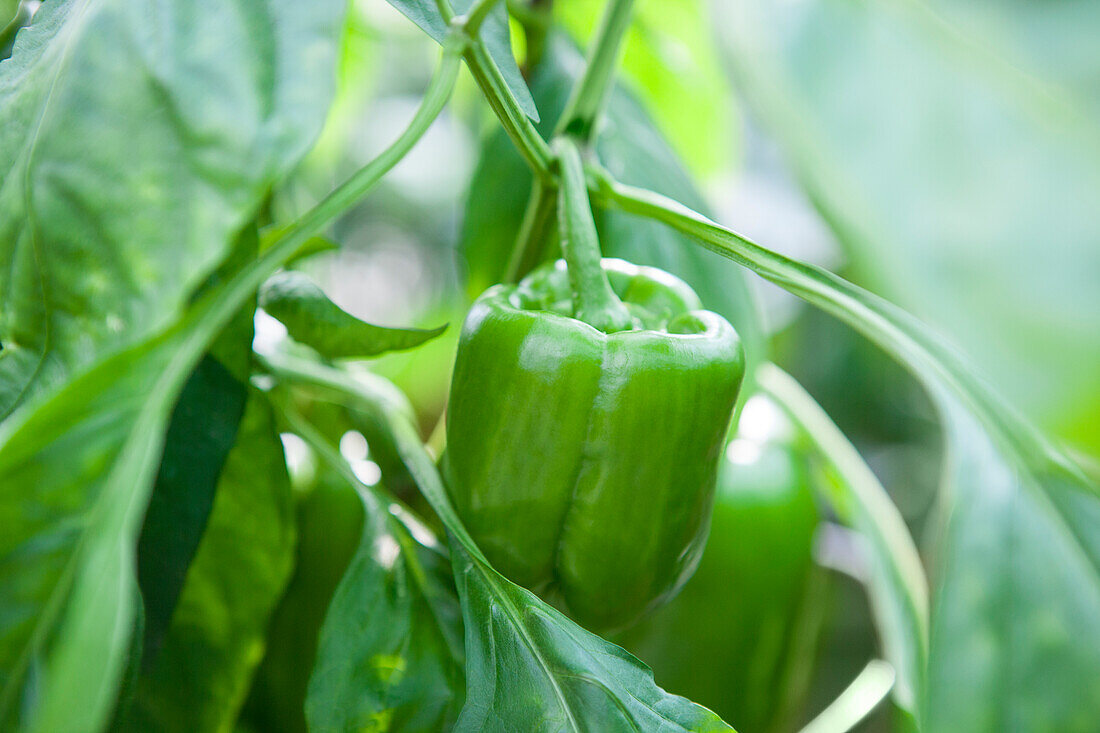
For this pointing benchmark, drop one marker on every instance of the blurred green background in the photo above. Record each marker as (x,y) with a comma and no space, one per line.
(943,154)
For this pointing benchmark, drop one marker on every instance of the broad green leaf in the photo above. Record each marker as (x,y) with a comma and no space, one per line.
(630,146)
(1015,621)
(199,679)
(109,221)
(531,668)
(494,33)
(312,319)
(670,60)
(119,197)
(389,653)
(528,667)
(957,158)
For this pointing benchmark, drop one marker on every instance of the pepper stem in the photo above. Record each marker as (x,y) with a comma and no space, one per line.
(594,302)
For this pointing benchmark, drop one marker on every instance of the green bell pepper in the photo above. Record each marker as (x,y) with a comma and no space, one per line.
(583,462)
(739,637)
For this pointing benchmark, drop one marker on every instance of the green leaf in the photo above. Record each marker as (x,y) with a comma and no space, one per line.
(956,157)
(1015,626)
(389,655)
(631,147)
(527,665)
(531,668)
(119,198)
(425,13)
(494,33)
(112,214)
(312,319)
(200,678)
(202,430)
(201,433)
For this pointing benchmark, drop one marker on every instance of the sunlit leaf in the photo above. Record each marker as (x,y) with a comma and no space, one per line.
(111,215)
(119,198)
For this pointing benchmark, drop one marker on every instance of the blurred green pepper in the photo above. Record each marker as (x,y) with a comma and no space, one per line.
(739,637)
(330,520)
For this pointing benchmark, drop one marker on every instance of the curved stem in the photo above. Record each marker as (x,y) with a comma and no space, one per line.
(594,302)
(476,15)
(884,323)
(858,700)
(538,219)
(587,99)
(505,106)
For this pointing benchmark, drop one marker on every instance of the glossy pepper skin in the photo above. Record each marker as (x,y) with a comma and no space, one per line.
(583,463)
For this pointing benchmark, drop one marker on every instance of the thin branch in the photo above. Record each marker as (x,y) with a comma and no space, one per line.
(586,102)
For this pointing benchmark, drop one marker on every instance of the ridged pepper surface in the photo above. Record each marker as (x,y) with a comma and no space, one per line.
(583,462)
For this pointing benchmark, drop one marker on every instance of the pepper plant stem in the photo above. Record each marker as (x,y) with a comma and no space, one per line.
(876,318)
(586,101)
(538,219)
(504,105)
(594,302)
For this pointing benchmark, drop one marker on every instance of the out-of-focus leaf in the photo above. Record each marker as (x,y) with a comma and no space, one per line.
(670,60)
(632,149)
(958,164)
(1052,42)
(494,33)
(1015,623)
(1016,614)
(200,677)
(120,200)
(311,318)
(527,665)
